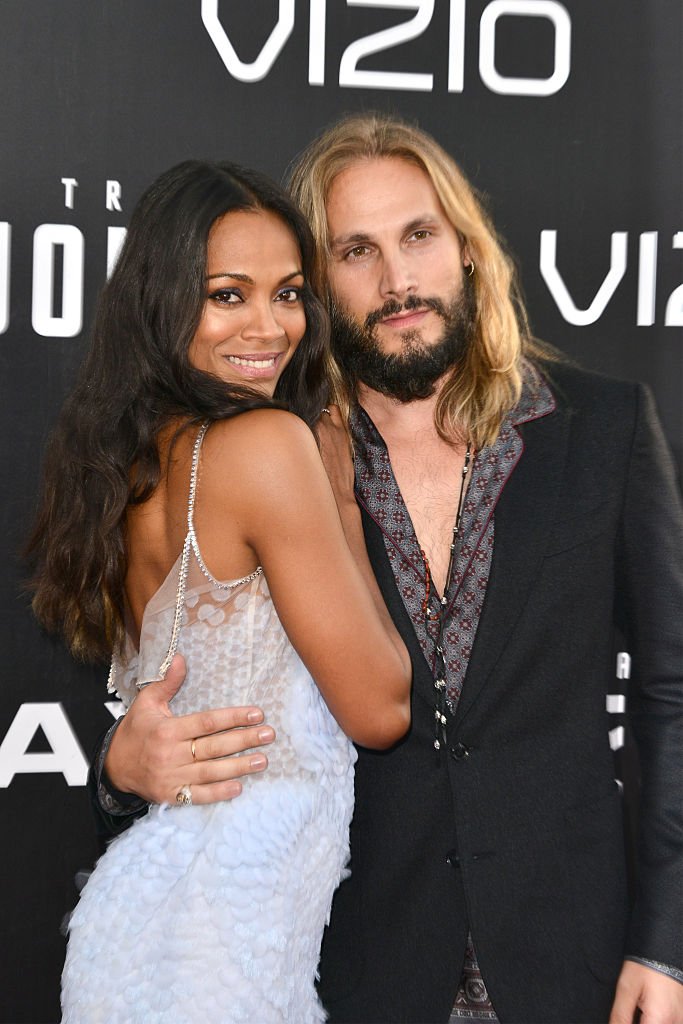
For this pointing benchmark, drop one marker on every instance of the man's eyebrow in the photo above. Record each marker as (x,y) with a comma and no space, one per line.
(424,221)
(361,237)
(249,280)
(355,236)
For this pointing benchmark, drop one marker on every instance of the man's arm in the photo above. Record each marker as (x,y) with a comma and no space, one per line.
(650,600)
(114,810)
(150,753)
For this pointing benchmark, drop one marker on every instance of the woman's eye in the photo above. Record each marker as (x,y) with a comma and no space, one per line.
(421,234)
(226,296)
(289,295)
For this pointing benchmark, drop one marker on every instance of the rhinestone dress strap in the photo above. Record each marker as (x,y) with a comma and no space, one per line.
(191,545)
(191,535)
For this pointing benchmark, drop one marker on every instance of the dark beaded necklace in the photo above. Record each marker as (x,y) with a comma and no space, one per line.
(439,616)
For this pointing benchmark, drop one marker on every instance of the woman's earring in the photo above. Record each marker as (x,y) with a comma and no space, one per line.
(471,266)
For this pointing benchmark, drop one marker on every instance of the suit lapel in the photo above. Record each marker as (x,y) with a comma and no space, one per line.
(524,511)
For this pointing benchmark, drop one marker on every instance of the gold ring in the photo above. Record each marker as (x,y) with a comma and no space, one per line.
(193,750)
(184,796)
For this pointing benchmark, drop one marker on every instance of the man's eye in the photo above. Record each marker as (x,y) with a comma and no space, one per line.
(289,295)
(357,253)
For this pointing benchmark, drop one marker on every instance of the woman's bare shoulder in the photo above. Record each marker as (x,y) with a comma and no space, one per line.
(255,440)
(259,422)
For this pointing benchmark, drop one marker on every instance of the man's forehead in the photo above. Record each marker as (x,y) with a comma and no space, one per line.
(373,174)
(387,191)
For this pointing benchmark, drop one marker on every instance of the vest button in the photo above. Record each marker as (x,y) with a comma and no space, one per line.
(459,752)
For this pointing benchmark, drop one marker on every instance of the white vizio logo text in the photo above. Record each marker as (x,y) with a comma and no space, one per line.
(351,76)
(618,259)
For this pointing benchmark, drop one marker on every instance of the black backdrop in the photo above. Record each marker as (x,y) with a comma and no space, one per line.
(567,116)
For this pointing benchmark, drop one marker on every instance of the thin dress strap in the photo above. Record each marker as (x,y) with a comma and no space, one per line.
(190,523)
(191,544)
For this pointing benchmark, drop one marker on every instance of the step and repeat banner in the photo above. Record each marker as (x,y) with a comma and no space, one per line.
(567,116)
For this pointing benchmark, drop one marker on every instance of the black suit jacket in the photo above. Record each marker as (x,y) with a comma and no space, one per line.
(516,830)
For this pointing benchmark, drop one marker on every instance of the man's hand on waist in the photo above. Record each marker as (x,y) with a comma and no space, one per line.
(154,753)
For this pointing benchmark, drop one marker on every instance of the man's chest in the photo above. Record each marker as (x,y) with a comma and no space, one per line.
(431,481)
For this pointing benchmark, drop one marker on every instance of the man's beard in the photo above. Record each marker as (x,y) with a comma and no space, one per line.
(413,372)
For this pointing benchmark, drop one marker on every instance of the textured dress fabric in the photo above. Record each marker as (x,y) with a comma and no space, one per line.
(216,913)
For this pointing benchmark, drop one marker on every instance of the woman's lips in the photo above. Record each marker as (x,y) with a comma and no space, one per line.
(255,365)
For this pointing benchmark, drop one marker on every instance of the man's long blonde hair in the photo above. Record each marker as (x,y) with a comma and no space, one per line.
(486,386)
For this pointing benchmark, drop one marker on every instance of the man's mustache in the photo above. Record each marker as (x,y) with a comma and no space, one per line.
(392,308)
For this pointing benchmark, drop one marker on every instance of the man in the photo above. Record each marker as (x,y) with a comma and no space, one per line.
(516,510)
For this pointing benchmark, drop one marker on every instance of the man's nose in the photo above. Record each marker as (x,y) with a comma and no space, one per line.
(398,278)
(262,324)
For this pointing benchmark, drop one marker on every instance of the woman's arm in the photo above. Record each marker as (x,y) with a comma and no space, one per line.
(335,451)
(262,474)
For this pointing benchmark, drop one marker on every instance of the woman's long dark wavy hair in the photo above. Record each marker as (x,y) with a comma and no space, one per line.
(135,379)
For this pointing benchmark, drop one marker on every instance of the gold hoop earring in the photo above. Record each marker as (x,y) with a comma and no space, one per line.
(471,266)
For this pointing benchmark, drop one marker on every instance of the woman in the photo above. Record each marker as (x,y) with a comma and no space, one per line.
(185,509)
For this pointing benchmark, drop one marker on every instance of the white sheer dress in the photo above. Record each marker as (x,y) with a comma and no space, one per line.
(216,913)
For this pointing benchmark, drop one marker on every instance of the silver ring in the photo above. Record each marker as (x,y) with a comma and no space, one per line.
(184,796)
